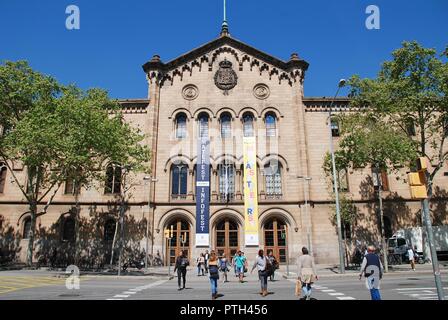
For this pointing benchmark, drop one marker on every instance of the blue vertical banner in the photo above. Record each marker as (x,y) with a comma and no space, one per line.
(203,193)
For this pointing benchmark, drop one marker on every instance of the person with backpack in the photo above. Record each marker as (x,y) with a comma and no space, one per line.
(264,268)
(372,269)
(224,267)
(274,263)
(181,267)
(213,274)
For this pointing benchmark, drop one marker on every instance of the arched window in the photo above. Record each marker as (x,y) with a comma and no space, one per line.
(226,125)
(181,126)
(248,125)
(203,125)
(387,227)
(68,232)
(226,181)
(271,125)
(113,179)
(109,230)
(2,177)
(346,229)
(26,228)
(273,179)
(179,175)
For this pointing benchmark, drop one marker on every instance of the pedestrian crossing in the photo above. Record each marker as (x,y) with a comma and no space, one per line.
(330,292)
(420,293)
(14,283)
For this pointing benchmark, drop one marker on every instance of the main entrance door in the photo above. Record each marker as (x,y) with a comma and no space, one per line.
(179,241)
(226,238)
(275,237)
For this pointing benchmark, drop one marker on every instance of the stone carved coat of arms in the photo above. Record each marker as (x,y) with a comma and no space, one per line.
(226,78)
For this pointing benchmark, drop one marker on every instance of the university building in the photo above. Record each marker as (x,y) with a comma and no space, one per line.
(226,93)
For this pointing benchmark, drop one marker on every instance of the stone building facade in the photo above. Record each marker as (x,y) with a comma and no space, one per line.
(226,90)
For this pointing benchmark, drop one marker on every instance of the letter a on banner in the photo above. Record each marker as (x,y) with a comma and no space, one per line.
(250,191)
(203,193)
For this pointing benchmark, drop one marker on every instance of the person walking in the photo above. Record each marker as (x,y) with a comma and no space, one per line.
(263,266)
(372,268)
(224,267)
(206,257)
(200,264)
(411,257)
(307,273)
(181,267)
(235,269)
(274,264)
(240,262)
(213,274)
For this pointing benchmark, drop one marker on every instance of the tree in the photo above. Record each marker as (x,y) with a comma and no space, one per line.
(409,96)
(366,140)
(58,133)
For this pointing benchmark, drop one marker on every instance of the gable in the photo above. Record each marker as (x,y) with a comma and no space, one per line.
(245,56)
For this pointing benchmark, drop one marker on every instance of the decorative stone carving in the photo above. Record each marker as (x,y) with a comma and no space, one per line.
(226,78)
(190,92)
(261,91)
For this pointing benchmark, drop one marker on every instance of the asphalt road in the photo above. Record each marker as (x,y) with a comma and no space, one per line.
(36,285)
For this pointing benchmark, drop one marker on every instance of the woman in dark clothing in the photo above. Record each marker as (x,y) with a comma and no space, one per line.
(181,266)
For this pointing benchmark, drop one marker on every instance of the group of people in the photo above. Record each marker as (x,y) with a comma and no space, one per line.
(210,263)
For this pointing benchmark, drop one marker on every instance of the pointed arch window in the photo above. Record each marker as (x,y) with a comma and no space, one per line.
(68,232)
(109,230)
(181,126)
(179,175)
(248,125)
(271,125)
(226,181)
(26,228)
(2,177)
(203,125)
(113,179)
(226,126)
(273,179)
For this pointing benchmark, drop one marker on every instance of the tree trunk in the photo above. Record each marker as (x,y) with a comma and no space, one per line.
(77,222)
(113,242)
(31,236)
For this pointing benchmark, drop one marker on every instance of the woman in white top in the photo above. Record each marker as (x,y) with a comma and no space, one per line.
(307,273)
(262,264)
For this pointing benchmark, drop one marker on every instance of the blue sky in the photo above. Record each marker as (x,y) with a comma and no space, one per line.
(117,37)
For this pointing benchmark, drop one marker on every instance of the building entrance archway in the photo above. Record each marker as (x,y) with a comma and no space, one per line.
(180,240)
(275,238)
(227,237)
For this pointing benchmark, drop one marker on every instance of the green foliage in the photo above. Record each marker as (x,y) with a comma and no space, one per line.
(410,89)
(59,132)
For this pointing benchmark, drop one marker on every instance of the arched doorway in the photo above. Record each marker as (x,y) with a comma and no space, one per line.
(275,237)
(179,241)
(227,237)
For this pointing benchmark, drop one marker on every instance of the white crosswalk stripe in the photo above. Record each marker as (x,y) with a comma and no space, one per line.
(130,292)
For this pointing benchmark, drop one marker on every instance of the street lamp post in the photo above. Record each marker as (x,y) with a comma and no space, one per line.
(151,179)
(335,184)
(306,181)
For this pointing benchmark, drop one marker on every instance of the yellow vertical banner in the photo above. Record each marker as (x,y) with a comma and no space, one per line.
(250,191)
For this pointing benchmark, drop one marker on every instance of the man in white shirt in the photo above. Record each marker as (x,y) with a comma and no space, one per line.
(411,257)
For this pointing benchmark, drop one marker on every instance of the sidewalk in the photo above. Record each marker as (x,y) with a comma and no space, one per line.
(331,270)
